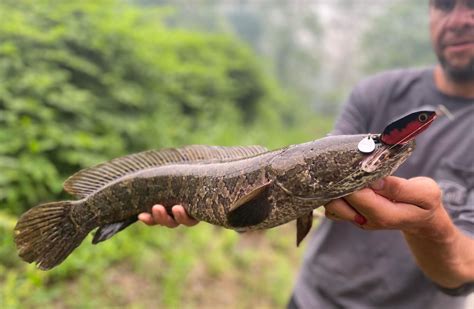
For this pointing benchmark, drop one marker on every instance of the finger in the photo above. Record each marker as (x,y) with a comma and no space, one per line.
(161,216)
(146,218)
(421,191)
(383,212)
(182,217)
(339,209)
(331,216)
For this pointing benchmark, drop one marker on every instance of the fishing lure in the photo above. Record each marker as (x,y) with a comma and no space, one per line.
(406,128)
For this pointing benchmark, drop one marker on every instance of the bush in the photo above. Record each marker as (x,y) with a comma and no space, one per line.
(83,82)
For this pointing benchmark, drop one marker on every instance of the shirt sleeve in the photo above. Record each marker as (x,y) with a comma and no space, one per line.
(457,184)
(463,218)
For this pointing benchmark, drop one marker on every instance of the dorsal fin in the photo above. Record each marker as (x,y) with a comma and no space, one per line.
(89,180)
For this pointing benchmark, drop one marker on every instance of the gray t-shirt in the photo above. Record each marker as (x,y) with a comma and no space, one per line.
(348,267)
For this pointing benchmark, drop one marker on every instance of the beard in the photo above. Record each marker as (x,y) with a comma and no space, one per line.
(457,74)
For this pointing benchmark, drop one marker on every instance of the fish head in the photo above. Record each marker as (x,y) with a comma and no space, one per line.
(386,157)
(333,166)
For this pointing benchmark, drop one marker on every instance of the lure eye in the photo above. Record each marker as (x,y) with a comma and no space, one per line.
(423,117)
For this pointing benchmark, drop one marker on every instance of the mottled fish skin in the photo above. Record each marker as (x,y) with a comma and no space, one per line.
(205,190)
(233,190)
(303,177)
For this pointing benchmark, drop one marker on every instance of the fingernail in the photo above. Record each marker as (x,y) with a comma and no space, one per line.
(176,214)
(171,213)
(378,184)
(359,219)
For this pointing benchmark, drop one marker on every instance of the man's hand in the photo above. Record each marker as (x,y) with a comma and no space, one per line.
(413,206)
(391,203)
(160,216)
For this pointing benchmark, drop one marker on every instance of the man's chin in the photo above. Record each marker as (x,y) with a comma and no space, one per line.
(458,73)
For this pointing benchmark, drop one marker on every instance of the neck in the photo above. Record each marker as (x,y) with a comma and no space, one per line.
(452,88)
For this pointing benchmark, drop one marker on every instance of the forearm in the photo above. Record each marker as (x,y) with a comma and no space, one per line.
(443,252)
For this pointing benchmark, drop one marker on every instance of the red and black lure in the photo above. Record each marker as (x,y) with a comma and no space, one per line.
(406,128)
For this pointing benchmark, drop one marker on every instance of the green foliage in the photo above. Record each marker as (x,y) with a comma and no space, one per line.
(150,267)
(399,37)
(83,82)
(86,81)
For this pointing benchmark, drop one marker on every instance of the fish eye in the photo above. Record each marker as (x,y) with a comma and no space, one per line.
(423,117)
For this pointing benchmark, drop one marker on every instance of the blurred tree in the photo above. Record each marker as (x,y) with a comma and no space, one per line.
(201,15)
(363,38)
(82,82)
(287,34)
(398,37)
(283,32)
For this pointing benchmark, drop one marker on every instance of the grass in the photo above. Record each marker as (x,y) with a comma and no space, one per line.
(201,267)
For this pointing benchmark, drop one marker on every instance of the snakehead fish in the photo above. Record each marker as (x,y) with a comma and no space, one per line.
(241,188)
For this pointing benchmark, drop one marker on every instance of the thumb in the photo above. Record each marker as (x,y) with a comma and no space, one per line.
(421,191)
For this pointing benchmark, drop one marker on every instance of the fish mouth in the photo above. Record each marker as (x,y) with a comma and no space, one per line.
(393,154)
(403,148)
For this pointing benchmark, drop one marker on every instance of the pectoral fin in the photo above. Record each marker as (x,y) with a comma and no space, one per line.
(106,231)
(250,209)
(303,226)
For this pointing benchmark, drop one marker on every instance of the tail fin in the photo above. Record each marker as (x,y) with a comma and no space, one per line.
(46,234)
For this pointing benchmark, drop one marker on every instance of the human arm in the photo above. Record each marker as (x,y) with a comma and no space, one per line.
(159,216)
(442,251)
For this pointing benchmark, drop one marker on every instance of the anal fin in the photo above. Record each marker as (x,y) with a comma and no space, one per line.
(106,231)
(303,226)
